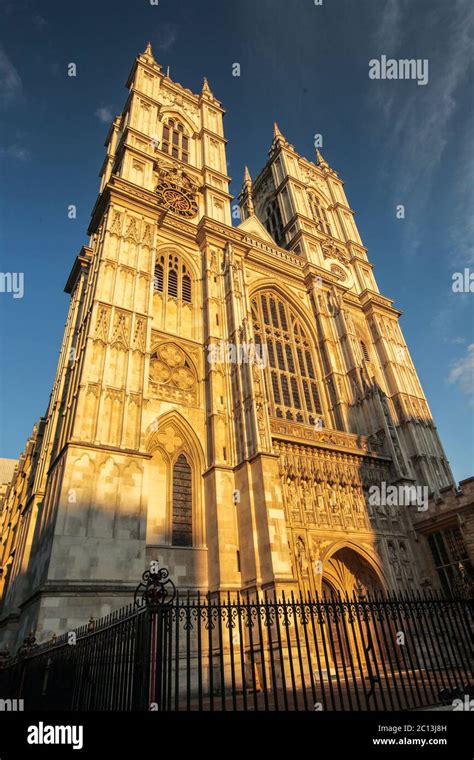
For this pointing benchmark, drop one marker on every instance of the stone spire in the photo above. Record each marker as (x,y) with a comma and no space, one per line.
(148,53)
(278,138)
(246,195)
(206,90)
(322,163)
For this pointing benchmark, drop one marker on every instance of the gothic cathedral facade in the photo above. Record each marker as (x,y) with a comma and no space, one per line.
(226,394)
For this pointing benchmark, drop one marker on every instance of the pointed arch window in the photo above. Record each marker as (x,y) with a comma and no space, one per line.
(182,517)
(319,214)
(290,378)
(158,277)
(186,286)
(171,276)
(172,282)
(273,221)
(175,141)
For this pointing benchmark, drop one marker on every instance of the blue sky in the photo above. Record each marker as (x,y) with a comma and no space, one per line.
(393,142)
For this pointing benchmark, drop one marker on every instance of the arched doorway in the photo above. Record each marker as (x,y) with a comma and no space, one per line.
(348,572)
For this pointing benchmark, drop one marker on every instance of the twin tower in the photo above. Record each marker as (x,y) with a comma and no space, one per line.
(226,395)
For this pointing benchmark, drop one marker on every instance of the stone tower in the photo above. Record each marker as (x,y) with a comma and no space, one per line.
(225,395)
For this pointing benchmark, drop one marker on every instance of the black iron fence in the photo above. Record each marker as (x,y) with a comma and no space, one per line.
(168,652)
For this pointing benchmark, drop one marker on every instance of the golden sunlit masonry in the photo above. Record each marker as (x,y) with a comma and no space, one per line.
(225,396)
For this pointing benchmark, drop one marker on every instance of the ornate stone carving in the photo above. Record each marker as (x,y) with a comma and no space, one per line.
(147,237)
(332,251)
(326,487)
(139,336)
(168,439)
(132,232)
(338,272)
(170,98)
(307,433)
(116,226)
(102,324)
(120,334)
(172,376)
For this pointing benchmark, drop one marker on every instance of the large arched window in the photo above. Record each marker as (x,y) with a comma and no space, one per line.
(175,141)
(290,372)
(319,214)
(172,277)
(182,516)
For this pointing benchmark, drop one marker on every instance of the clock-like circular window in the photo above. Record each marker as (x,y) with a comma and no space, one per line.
(174,198)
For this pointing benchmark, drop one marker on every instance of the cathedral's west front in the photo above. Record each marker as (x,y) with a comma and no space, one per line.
(225,396)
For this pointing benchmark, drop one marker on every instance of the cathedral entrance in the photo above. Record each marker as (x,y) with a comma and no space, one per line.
(347,572)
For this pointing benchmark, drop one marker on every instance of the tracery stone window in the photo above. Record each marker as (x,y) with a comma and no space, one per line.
(175,140)
(290,372)
(172,277)
(172,375)
(319,214)
(182,515)
(451,559)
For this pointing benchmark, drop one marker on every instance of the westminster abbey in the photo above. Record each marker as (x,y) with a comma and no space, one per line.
(226,394)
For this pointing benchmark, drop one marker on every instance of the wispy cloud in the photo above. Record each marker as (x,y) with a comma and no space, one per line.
(450,320)
(10,80)
(39,21)
(8,7)
(104,114)
(462,373)
(389,25)
(166,37)
(17,152)
(461,230)
(416,121)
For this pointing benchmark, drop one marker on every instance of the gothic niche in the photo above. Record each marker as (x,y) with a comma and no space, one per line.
(172,376)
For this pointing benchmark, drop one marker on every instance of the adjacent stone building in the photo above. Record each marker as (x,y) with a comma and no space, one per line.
(448,528)
(7,469)
(226,395)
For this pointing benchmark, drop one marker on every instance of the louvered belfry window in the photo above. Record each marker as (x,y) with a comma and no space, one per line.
(273,221)
(158,277)
(175,141)
(319,214)
(172,277)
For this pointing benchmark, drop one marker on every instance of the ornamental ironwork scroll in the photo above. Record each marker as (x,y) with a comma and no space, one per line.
(155,589)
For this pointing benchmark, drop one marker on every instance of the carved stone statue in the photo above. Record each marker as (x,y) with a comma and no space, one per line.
(301,557)
(393,559)
(405,559)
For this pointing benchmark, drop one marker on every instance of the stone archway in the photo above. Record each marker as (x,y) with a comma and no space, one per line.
(348,572)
